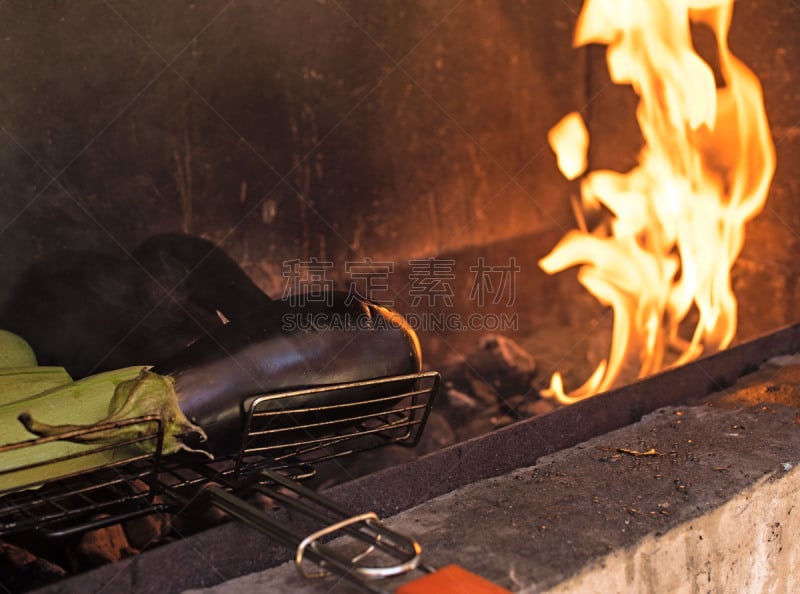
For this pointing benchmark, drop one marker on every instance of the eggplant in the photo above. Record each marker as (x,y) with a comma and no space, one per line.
(198,273)
(289,345)
(90,312)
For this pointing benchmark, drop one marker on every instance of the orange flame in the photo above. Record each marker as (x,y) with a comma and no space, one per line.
(677,218)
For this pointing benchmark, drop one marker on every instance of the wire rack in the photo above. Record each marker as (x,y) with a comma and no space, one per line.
(279,433)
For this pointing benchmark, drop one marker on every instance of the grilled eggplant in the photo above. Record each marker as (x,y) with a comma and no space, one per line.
(288,345)
(121,310)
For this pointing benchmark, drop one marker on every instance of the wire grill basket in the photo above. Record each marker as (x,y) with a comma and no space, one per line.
(132,477)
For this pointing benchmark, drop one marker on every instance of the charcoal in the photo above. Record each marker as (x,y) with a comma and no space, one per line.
(147,531)
(503,364)
(438,434)
(460,378)
(540,406)
(480,424)
(98,547)
(490,387)
(514,406)
(21,570)
(458,407)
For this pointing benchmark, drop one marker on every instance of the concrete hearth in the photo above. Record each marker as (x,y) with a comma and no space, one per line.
(691,498)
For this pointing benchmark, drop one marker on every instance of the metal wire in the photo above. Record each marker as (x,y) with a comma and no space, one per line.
(388,410)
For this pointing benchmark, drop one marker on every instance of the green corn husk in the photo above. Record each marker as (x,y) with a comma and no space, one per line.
(108,397)
(20,383)
(15,351)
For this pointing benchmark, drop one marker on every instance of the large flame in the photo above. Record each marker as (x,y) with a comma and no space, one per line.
(676,221)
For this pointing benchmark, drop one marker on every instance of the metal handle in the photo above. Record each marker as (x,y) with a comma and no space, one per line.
(382,552)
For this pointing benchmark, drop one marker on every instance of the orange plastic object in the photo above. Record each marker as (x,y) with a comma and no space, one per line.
(451,579)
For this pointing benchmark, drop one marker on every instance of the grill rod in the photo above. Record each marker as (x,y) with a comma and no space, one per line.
(380,552)
(399,553)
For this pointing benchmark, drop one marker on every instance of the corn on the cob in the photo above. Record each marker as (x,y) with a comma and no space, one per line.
(147,393)
(15,351)
(45,402)
(20,383)
(83,402)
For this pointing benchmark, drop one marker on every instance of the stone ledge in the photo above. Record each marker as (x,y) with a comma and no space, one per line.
(696,498)
(745,545)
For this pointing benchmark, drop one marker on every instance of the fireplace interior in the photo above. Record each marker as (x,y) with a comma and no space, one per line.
(396,148)
(335,133)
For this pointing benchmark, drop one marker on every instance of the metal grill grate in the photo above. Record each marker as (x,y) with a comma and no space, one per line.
(291,440)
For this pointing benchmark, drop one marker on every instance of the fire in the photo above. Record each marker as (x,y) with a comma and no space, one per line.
(675,222)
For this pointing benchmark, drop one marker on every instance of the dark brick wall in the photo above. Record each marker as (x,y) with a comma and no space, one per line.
(337,129)
(284,129)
